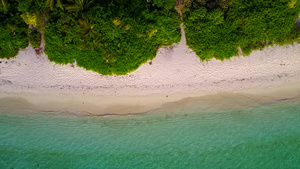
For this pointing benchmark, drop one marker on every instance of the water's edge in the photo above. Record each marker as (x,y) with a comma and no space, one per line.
(180,136)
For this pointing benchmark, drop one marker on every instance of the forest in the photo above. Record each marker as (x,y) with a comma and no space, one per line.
(219,28)
(117,36)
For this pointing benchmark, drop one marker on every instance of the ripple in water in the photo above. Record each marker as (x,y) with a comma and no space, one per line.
(266,136)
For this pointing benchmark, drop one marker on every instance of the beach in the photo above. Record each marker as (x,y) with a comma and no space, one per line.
(173,98)
(31,81)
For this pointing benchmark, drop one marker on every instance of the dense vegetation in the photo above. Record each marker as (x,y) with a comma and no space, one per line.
(108,36)
(117,36)
(218,28)
(112,36)
(12,29)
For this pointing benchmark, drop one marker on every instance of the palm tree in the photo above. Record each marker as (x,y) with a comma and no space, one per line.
(4,6)
(12,28)
(86,26)
(51,4)
(89,37)
(79,5)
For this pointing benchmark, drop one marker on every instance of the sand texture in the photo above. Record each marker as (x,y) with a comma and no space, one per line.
(174,74)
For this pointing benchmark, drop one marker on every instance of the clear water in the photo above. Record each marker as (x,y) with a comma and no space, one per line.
(267,136)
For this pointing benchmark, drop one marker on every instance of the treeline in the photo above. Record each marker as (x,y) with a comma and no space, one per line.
(218,28)
(108,36)
(112,36)
(13,30)
(117,36)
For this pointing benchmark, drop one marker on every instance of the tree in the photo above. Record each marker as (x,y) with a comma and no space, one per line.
(227,25)
(13,34)
(3,7)
(114,39)
(51,3)
(79,5)
(32,6)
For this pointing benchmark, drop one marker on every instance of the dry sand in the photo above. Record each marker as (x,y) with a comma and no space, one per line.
(33,81)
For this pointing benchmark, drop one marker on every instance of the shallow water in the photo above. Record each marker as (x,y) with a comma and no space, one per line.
(264,136)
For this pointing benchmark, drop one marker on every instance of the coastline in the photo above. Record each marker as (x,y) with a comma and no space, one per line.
(32,82)
(88,105)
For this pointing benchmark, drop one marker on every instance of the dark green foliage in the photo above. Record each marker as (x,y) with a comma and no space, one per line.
(167,4)
(52,3)
(32,6)
(34,38)
(13,32)
(218,28)
(34,13)
(79,5)
(117,36)
(111,38)
(4,6)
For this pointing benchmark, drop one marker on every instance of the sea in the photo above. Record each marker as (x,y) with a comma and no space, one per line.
(186,135)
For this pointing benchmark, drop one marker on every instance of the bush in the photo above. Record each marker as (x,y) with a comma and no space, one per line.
(34,38)
(230,24)
(113,38)
(116,37)
(13,32)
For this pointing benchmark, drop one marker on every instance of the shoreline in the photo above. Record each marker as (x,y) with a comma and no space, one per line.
(81,105)
(176,73)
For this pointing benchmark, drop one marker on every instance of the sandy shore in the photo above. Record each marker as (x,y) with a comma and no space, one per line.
(31,81)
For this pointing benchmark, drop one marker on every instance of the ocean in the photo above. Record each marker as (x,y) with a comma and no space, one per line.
(182,136)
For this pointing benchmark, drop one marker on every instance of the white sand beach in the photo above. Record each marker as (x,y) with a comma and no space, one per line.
(174,74)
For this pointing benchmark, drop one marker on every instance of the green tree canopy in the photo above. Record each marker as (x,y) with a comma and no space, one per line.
(13,31)
(218,28)
(111,38)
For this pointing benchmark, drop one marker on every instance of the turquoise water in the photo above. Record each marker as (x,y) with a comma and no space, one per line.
(266,136)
